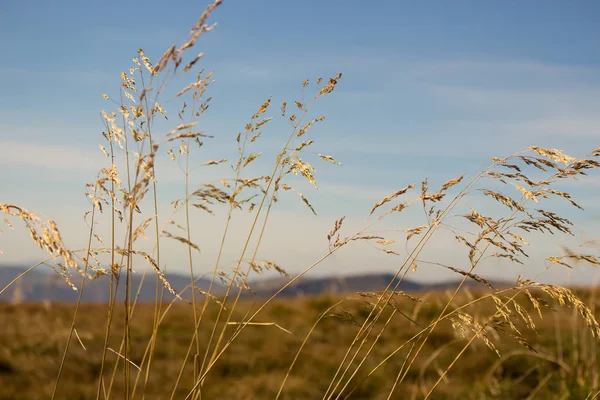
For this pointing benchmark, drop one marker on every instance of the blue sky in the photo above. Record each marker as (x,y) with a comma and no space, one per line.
(430,89)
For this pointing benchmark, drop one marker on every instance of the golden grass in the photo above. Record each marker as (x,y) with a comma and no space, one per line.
(129,355)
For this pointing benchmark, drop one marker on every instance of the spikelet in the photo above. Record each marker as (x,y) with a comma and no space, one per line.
(330,159)
(399,207)
(215,162)
(330,86)
(262,109)
(415,231)
(181,239)
(141,228)
(554,154)
(305,201)
(335,235)
(465,323)
(451,183)
(303,145)
(306,126)
(391,197)
(471,275)
(527,193)
(251,158)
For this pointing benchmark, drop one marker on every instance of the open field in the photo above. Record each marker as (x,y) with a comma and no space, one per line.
(565,365)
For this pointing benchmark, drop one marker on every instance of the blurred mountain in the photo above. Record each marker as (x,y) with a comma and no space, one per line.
(331,285)
(45,285)
(352,284)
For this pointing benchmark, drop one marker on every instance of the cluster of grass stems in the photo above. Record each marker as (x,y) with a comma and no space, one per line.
(125,192)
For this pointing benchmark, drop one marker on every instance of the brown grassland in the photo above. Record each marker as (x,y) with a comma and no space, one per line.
(532,340)
(563,365)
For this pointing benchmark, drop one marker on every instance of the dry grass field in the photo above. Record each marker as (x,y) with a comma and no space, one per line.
(563,362)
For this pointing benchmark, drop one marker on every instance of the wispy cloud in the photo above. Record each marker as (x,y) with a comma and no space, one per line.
(64,74)
(49,156)
(520,103)
(570,127)
(393,70)
(503,73)
(354,192)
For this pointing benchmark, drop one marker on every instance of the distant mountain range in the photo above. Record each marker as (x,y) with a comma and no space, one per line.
(45,285)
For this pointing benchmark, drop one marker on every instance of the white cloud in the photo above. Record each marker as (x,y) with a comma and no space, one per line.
(572,127)
(49,156)
(391,71)
(508,103)
(361,192)
(72,76)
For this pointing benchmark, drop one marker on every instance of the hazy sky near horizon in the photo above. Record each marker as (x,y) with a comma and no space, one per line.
(429,89)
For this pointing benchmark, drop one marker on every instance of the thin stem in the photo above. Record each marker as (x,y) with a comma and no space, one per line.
(82,287)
